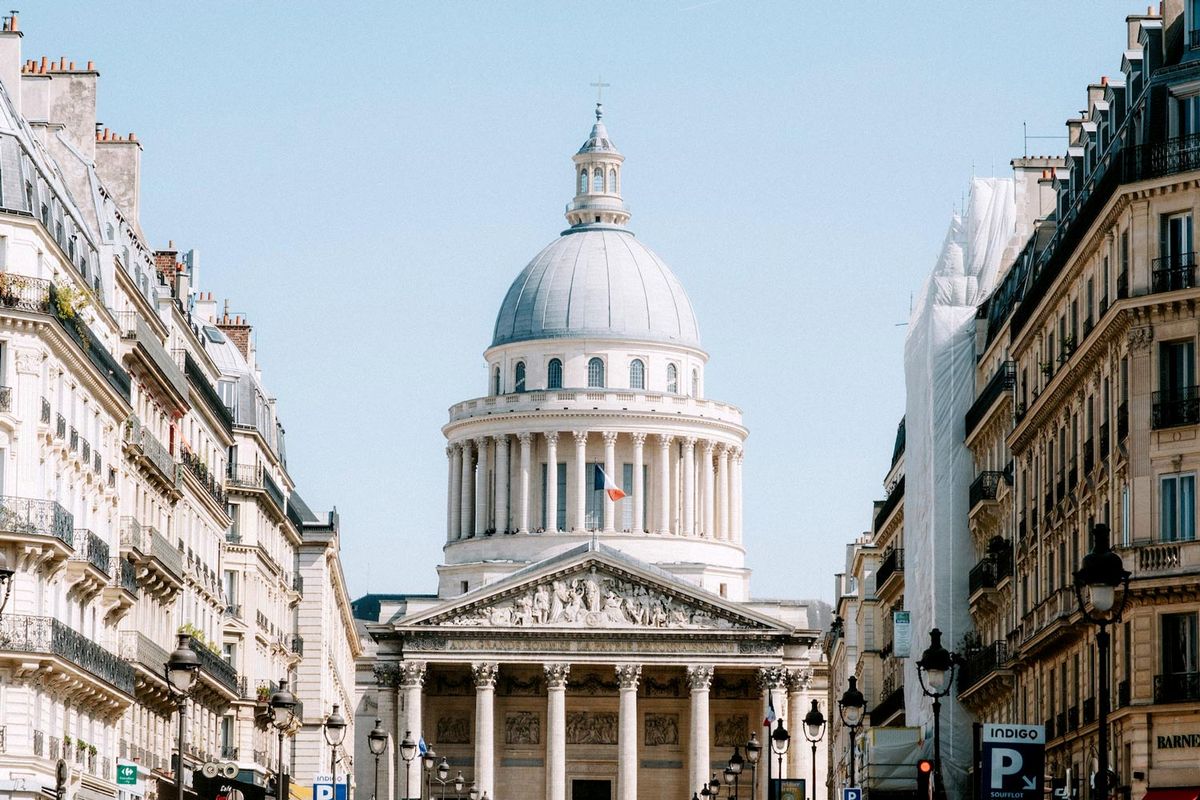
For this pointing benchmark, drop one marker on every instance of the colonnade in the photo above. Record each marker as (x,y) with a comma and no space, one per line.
(694,484)
(783,688)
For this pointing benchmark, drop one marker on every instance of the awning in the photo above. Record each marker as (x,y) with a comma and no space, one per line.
(1191,793)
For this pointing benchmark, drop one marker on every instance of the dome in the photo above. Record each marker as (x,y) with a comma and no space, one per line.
(599,282)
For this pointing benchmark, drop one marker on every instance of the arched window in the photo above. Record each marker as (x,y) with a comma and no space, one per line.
(637,374)
(554,374)
(612,181)
(695,383)
(596,373)
(519,382)
(672,379)
(583,181)
(496,381)
(598,180)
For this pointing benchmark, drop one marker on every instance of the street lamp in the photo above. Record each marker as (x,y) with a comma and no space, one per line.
(428,760)
(814,730)
(780,738)
(714,786)
(183,668)
(733,772)
(282,708)
(1102,572)
(753,751)
(6,576)
(408,751)
(935,671)
(335,733)
(377,741)
(852,708)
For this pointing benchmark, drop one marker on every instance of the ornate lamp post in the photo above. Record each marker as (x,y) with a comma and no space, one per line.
(408,751)
(935,671)
(753,751)
(734,771)
(814,730)
(1102,572)
(429,760)
(377,741)
(335,733)
(6,577)
(282,708)
(714,787)
(443,777)
(780,739)
(852,708)
(183,667)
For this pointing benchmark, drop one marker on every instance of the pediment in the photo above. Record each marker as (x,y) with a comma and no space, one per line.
(595,592)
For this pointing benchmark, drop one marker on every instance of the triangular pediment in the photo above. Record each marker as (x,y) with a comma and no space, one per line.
(594,590)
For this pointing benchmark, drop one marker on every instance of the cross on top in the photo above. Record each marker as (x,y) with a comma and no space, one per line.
(600,87)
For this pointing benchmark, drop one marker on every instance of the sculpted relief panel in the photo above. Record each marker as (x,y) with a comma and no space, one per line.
(661,729)
(591,727)
(589,599)
(454,730)
(522,727)
(732,731)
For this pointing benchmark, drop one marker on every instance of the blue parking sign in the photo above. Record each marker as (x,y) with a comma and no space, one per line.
(852,793)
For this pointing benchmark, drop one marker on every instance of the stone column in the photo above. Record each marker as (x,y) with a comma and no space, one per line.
(485,726)
(580,480)
(700,753)
(551,481)
(735,522)
(639,483)
(799,759)
(385,679)
(454,494)
(501,472)
(526,440)
(723,492)
(412,678)
(664,483)
(610,469)
(627,745)
(688,526)
(773,681)
(481,485)
(556,730)
(708,488)
(466,492)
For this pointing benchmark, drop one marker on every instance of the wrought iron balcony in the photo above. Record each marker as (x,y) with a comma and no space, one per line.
(124,574)
(24,515)
(985,487)
(1179,687)
(138,648)
(145,443)
(1176,406)
(298,582)
(147,542)
(73,441)
(1174,272)
(1004,379)
(889,505)
(229,752)
(60,427)
(990,571)
(28,634)
(234,610)
(218,668)
(85,452)
(891,702)
(893,562)
(45,416)
(207,479)
(980,663)
(91,548)
(1169,157)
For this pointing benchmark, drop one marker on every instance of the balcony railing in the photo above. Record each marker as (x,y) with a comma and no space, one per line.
(101,359)
(982,662)
(139,648)
(45,416)
(134,328)
(255,477)
(208,394)
(1179,405)
(1173,272)
(60,427)
(893,562)
(985,486)
(47,635)
(124,574)
(889,505)
(1193,39)
(1004,379)
(1179,154)
(1153,559)
(891,701)
(150,447)
(207,479)
(298,583)
(91,548)
(296,644)
(990,571)
(214,665)
(149,542)
(42,517)
(1179,687)
(73,441)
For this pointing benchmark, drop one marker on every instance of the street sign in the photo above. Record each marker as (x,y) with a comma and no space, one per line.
(851,793)
(323,787)
(901,634)
(126,774)
(1013,760)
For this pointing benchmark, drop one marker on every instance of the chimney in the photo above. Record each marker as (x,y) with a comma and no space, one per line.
(10,59)
(119,165)
(72,103)
(238,331)
(1033,191)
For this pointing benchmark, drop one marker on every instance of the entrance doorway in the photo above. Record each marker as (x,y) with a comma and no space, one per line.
(591,790)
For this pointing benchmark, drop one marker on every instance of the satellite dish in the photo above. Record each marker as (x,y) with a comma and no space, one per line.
(229,769)
(209,770)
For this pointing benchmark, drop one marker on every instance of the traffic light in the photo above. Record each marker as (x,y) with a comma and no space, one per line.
(924,779)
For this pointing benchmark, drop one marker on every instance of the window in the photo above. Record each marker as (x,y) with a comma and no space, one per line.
(1188,111)
(554,374)
(463,586)
(519,378)
(1175,269)
(695,383)
(672,379)
(1179,644)
(496,381)
(598,180)
(583,175)
(596,373)
(612,181)
(1177,504)
(637,374)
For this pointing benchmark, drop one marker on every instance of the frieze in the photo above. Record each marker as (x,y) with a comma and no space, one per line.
(454,729)
(727,688)
(514,686)
(661,730)
(671,687)
(450,684)
(592,683)
(590,599)
(732,730)
(522,728)
(591,727)
(429,644)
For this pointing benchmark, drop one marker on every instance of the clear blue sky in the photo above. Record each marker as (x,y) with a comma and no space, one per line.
(365,180)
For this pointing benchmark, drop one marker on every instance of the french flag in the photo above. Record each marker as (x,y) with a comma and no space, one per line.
(770,713)
(606,483)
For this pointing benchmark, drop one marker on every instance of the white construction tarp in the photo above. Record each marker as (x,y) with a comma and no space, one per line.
(939,373)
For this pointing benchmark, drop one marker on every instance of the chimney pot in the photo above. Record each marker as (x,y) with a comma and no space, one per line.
(43,65)
(132,138)
(71,66)
(91,66)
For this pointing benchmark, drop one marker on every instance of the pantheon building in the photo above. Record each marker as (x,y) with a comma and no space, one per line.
(581,647)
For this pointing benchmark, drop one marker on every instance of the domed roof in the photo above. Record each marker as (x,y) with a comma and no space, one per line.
(597,281)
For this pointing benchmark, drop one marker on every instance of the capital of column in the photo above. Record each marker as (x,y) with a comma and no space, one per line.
(500,439)
(709,447)
(639,438)
(610,437)
(411,673)
(628,675)
(737,454)
(525,437)
(664,440)
(386,674)
(451,450)
(551,437)
(798,679)
(770,678)
(465,446)
(699,677)
(556,675)
(581,438)
(480,443)
(689,442)
(484,673)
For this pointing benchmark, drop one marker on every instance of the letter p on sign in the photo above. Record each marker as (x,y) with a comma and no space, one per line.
(324,791)
(1005,761)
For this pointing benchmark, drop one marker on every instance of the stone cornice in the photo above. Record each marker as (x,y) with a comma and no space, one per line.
(594,421)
